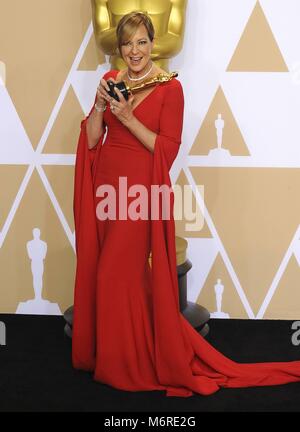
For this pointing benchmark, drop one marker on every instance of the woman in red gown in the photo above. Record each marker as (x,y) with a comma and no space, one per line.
(127,327)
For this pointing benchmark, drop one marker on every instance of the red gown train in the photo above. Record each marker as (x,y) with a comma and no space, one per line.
(127,327)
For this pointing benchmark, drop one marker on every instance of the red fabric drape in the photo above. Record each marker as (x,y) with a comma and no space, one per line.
(185,363)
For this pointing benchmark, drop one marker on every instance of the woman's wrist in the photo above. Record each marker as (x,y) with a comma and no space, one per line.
(100,106)
(129,122)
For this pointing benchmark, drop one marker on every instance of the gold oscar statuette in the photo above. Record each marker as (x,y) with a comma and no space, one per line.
(126,90)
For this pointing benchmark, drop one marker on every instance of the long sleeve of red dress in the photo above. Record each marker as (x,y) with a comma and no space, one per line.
(163,351)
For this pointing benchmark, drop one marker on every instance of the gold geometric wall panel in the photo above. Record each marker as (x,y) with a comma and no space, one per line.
(181,224)
(11,177)
(231,302)
(248,207)
(58,284)
(44,45)
(252,214)
(257,50)
(61,179)
(92,57)
(206,139)
(63,138)
(286,299)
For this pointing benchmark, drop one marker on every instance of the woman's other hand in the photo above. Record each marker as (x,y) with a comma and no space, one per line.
(102,89)
(123,109)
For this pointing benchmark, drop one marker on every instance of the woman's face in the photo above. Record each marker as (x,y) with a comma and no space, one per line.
(136,52)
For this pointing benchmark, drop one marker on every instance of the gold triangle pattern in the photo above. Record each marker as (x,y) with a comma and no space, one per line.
(257,50)
(219,130)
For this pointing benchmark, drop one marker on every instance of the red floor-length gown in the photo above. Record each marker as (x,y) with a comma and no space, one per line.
(127,327)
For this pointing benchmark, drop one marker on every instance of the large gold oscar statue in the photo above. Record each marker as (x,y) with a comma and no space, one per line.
(168,17)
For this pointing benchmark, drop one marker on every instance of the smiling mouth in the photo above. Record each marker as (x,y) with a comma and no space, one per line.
(135,59)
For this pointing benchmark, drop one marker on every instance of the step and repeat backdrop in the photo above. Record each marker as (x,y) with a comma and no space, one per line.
(240,70)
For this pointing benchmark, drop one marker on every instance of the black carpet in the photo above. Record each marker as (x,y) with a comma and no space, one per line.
(36,372)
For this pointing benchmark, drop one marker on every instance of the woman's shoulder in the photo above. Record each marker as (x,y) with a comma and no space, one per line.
(173,90)
(174,84)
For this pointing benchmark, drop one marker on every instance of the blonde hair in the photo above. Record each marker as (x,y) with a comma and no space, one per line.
(129,24)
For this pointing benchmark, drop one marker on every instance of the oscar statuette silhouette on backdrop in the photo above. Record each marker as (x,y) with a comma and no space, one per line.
(219,150)
(168,17)
(219,290)
(37,251)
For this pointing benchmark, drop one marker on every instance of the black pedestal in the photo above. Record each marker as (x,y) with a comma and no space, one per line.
(196,315)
